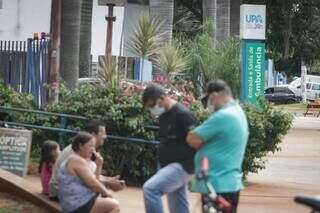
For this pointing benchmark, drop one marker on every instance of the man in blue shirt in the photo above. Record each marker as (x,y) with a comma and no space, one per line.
(222,138)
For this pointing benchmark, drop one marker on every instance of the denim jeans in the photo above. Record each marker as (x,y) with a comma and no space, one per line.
(170,180)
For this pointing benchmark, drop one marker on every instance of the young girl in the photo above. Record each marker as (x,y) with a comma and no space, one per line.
(49,154)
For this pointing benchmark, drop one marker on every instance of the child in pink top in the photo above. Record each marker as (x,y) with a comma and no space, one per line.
(49,154)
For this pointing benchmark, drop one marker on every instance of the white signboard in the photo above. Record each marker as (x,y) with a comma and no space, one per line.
(253,21)
(15,150)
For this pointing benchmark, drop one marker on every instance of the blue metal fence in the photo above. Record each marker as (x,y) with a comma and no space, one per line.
(24,66)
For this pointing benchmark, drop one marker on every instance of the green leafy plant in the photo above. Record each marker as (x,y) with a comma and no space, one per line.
(124,116)
(173,61)
(209,62)
(146,39)
(110,74)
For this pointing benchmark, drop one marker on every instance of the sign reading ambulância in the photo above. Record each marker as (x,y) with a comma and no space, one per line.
(252,33)
(252,21)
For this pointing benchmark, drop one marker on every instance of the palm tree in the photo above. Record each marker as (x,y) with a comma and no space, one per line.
(85,38)
(209,8)
(163,10)
(70,40)
(235,17)
(218,11)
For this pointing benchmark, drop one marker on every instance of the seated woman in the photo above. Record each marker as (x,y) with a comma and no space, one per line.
(79,187)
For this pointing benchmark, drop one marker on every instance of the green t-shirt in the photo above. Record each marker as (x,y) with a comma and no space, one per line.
(225,135)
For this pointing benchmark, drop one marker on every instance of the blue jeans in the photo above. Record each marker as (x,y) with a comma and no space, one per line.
(170,180)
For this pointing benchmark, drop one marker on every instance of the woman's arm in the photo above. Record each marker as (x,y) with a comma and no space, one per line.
(80,168)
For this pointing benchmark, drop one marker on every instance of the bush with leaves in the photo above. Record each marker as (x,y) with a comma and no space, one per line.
(11,98)
(124,116)
(209,62)
(267,127)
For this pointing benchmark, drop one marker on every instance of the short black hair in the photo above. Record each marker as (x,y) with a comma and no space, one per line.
(93,126)
(152,92)
(218,86)
(80,139)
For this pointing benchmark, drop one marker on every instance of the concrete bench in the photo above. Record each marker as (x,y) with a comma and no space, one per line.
(26,190)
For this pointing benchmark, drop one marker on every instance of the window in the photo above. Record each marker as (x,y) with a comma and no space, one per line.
(269,91)
(289,91)
(1,4)
(316,87)
(280,90)
(308,85)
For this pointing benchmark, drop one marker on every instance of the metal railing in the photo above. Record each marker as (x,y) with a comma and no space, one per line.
(63,125)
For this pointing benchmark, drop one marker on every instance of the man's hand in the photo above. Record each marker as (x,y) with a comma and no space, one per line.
(107,193)
(113,182)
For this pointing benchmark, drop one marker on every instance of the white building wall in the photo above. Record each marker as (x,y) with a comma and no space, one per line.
(99,30)
(19,19)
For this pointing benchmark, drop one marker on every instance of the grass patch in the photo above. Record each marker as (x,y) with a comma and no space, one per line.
(293,107)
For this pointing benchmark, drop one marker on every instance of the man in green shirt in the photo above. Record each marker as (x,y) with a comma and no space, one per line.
(222,138)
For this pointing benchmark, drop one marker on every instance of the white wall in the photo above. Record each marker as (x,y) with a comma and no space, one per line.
(99,29)
(20,18)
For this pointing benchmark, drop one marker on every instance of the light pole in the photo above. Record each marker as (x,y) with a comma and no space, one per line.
(303,82)
(110,19)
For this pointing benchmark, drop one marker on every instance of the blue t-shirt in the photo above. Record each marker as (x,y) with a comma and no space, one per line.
(225,134)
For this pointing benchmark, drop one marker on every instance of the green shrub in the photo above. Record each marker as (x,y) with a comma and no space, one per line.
(267,127)
(11,98)
(124,116)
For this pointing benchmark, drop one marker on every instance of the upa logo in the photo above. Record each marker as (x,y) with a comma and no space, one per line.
(254,21)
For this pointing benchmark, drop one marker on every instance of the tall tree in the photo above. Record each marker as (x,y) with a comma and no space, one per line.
(293,29)
(70,39)
(85,38)
(218,11)
(163,10)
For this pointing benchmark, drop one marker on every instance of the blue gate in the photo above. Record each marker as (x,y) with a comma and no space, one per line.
(24,67)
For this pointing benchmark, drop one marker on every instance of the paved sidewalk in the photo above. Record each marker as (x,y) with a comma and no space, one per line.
(293,171)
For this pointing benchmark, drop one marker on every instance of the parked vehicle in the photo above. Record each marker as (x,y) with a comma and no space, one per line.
(284,94)
(312,86)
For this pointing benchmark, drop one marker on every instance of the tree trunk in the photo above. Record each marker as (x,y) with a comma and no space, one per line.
(85,38)
(209,13)
(235,17)
(163,9)
(217,11)
(70,40)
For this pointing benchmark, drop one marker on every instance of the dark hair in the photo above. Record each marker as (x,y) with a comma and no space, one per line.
(80,139)
(93,126)
(46,153)
(152,92)
(218,86)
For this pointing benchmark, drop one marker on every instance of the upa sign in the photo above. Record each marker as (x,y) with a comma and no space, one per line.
(15,150)
(252,76)
(252,33)
(253,22)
